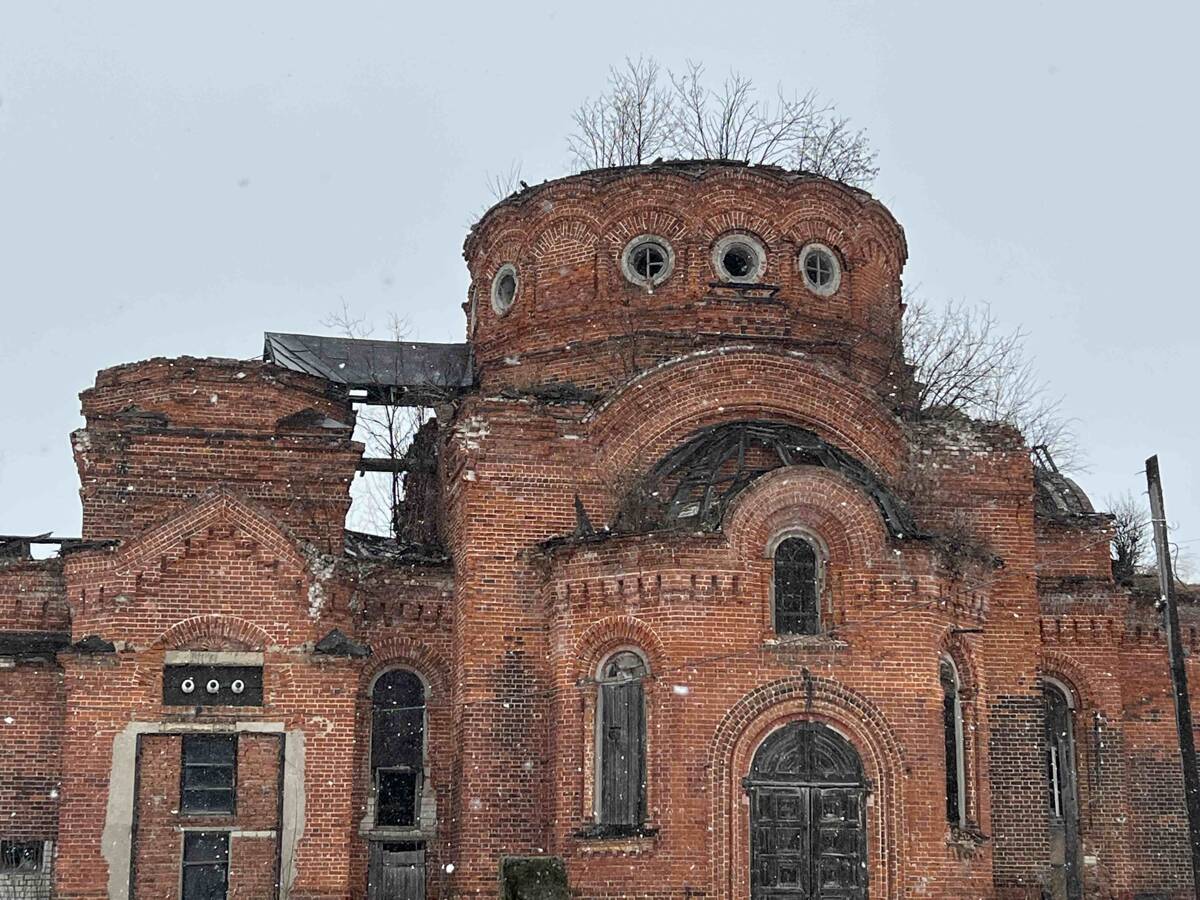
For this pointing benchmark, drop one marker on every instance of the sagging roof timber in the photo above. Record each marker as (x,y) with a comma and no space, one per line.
(396,373)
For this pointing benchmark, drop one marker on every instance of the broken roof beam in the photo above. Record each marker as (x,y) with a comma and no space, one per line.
(394,373)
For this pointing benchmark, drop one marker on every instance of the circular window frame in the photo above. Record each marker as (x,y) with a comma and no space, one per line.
(499,307)
(631,274)
(723,246)
(834,283)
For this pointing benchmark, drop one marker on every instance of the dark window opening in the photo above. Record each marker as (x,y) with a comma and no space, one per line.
(205,865)
(396,798)
(739,261)
(21,856)
(209,774)
(398,748)
(796,591)
(953,735)
(622,742)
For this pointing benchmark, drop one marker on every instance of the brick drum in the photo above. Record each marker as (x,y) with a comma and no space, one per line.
(536,540)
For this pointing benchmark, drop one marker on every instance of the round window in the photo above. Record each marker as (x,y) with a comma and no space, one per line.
(822,273)
(648,260)
(504,288)
(739,258)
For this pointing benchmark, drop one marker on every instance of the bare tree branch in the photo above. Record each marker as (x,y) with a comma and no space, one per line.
(1131,536)
(639,119)
(964,362)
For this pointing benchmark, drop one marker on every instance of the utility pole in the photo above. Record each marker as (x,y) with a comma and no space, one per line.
(1183,707)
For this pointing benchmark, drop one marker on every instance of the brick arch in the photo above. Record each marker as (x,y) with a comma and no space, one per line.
(771,706)
(1060,666)
(231,628)
(402,652)
(818,499)
(956,647)
(612,632)
(628,222)
(660,409)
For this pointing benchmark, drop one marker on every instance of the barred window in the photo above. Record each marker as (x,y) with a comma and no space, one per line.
(22,856)
(797,594)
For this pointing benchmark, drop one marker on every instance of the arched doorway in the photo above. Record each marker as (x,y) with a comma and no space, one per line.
(808,836)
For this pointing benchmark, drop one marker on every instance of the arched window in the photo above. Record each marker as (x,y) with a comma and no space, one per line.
(621,743)
(952,730)
(397,747)
(797,592)
(1063,791)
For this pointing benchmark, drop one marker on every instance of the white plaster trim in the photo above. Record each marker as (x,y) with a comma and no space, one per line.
(115,843)
(212,658)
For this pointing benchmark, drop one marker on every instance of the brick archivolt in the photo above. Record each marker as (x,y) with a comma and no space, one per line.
(660,409)
(817,500)
(771,706)
(611,633)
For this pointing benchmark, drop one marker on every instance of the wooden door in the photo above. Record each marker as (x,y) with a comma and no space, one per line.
(397,871)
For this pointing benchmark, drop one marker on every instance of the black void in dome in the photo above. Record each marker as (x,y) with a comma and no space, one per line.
(692,486)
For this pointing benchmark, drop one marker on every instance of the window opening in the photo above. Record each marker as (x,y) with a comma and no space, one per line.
(397,747)
(205,865)
(504,289)
(955,758)
(22,856)
(647,261)
(1063,800)
(621,717)
(822,273)
(796,589)
(209,774)
(739,258)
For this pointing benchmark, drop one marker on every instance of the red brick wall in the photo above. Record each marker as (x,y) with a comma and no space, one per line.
(163,431)
(31,724)
(158,838)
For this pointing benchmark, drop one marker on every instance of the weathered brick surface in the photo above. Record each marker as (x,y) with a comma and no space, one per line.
(225,507)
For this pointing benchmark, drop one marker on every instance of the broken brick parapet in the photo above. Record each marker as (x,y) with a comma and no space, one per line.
(33,596)
(163,432)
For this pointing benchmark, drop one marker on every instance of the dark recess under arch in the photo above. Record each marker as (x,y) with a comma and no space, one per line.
(692,486)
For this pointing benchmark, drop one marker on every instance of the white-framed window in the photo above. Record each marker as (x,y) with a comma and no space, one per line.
(821,269)
(739,258)
(505,286)
(648,260)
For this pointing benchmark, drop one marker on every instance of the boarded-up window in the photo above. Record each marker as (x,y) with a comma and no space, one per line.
(796,590)
(622,741)
(397,747)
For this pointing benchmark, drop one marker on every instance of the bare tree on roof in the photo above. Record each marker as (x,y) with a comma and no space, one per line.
(1130,541)
(965,362)
(646,114)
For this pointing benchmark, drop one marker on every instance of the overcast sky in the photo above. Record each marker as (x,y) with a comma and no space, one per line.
(179,179)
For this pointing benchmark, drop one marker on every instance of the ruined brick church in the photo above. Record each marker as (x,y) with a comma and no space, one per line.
(686,600)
